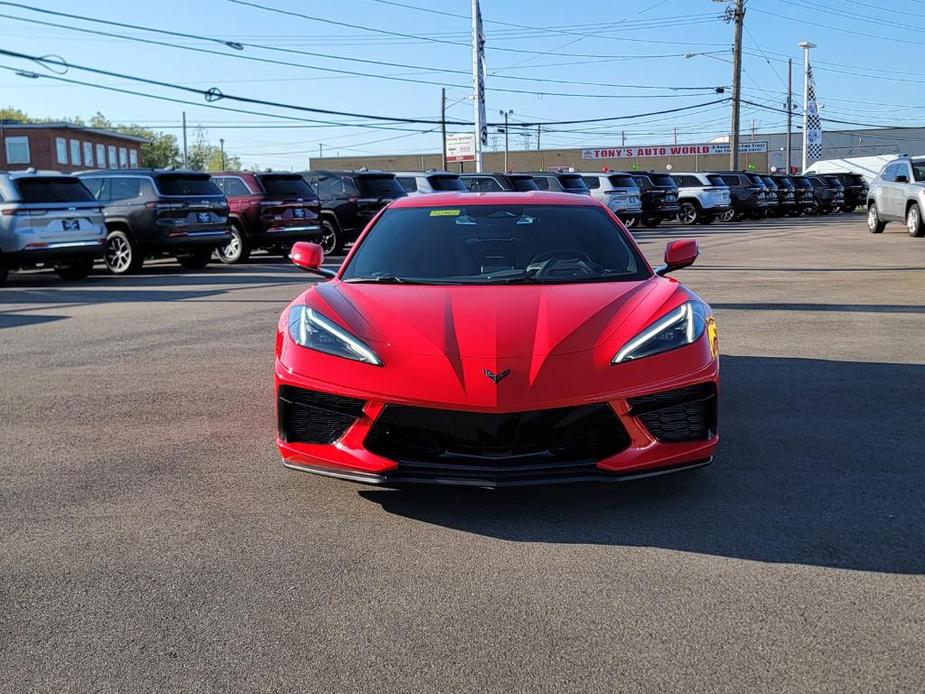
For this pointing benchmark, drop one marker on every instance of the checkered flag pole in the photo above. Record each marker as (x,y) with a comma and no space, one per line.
(813,128)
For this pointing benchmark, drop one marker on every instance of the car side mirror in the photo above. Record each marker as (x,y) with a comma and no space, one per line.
(902,178)
(309,257)
(679,254)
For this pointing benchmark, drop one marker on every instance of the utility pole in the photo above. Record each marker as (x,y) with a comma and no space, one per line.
(221,144)
(478,85)
(506,155)
(738,18)
(185,152)
(805,45)
(789,113)
(676,136)
(539,129)
(443,125)
(623,138)
(320,151)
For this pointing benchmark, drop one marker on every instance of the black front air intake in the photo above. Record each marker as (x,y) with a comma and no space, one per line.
(508,440)
(307,416)
(673,416)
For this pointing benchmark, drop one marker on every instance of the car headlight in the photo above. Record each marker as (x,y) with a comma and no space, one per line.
(682,326)
(311,329)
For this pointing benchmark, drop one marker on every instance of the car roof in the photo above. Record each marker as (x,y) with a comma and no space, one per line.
(425,173)
(533,197)
(140,172)
(349,172)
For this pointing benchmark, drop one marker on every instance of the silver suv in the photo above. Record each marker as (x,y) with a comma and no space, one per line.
(897,194)
(703,197)
(619,192)
(426,182)
(51,219)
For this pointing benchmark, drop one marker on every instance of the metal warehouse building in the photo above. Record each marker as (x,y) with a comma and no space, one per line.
(837,144)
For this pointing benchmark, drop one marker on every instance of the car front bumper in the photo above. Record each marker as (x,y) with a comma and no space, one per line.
(387,442)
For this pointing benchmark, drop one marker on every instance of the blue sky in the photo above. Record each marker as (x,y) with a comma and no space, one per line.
(867,70)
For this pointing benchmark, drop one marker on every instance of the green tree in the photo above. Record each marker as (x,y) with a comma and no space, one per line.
(14,114)
(161,149)
(207,157)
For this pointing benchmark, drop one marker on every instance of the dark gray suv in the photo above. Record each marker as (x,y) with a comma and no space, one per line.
(159,212)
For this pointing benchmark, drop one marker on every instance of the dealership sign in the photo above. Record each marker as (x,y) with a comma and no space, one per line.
(671,150)
(460,147)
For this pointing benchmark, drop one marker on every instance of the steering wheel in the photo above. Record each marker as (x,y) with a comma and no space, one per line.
(549,258)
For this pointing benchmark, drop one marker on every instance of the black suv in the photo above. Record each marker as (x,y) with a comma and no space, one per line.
(659,194)
(855,190)
(805,195)
(349,200)
(498,182)
(157,212)
(748,195)
(786,195)
(561,182)
(829,194)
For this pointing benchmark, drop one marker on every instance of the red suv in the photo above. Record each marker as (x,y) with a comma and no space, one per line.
(269,210)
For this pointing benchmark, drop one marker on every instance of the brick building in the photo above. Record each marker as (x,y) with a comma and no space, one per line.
(66,147)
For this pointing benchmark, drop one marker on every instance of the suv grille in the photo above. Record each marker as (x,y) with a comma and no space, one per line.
(307,416)
(686,414)
(511,440)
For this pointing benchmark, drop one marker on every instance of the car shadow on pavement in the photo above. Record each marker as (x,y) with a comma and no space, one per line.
(820,463)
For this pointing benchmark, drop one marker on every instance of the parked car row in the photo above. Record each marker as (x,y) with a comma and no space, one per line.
(125,216)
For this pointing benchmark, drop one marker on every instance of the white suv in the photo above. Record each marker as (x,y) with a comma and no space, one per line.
(703,197)
(897,194)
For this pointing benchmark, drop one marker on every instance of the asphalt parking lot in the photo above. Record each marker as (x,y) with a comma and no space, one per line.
(150,539)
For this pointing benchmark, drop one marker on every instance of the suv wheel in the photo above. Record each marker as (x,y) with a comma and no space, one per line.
(331,241)
(689,213)
(874,225)
(195,261)
(78,270)
(122,254)
(728,216)
(914,221)
(238,249)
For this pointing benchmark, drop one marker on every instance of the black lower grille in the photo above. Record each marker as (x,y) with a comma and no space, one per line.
(307,416)
(686,414)
(466,441)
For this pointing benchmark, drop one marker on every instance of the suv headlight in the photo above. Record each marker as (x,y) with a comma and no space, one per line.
(311,329)
(683,326)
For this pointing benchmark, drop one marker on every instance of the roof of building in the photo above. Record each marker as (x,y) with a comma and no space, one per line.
(71,126)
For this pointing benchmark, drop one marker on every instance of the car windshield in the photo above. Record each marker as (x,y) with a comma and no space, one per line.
(572,182)
(380,186)
(447,183)
(53,189)
(523,183)
(496,244)
(618,181)
(662,180)
(186,184)
(289,186)
(716,180)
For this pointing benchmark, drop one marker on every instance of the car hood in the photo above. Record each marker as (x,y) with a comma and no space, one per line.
(491,321)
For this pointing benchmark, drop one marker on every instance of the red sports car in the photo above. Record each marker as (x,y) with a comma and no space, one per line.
(494,340)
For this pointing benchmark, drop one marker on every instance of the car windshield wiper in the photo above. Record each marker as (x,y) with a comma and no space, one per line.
(384,279)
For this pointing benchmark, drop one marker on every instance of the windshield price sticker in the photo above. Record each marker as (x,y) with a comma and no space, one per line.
(444,213)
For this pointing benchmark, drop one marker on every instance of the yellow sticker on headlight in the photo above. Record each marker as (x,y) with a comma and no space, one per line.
(444,213)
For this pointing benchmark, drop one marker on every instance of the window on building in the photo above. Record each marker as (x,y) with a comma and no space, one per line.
(17,150)
(133,158)
(123,158)
(75,152)
(88,153)
(61,150)
(113,161)
(101,156)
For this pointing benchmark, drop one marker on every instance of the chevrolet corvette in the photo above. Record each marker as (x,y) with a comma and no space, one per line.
(496,340)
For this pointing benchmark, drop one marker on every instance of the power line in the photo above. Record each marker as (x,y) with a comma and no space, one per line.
(387,32)
(351,73)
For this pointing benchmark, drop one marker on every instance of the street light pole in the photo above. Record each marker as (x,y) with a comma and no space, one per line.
(221,143)
(506,114)
(805,45)
(789,113)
